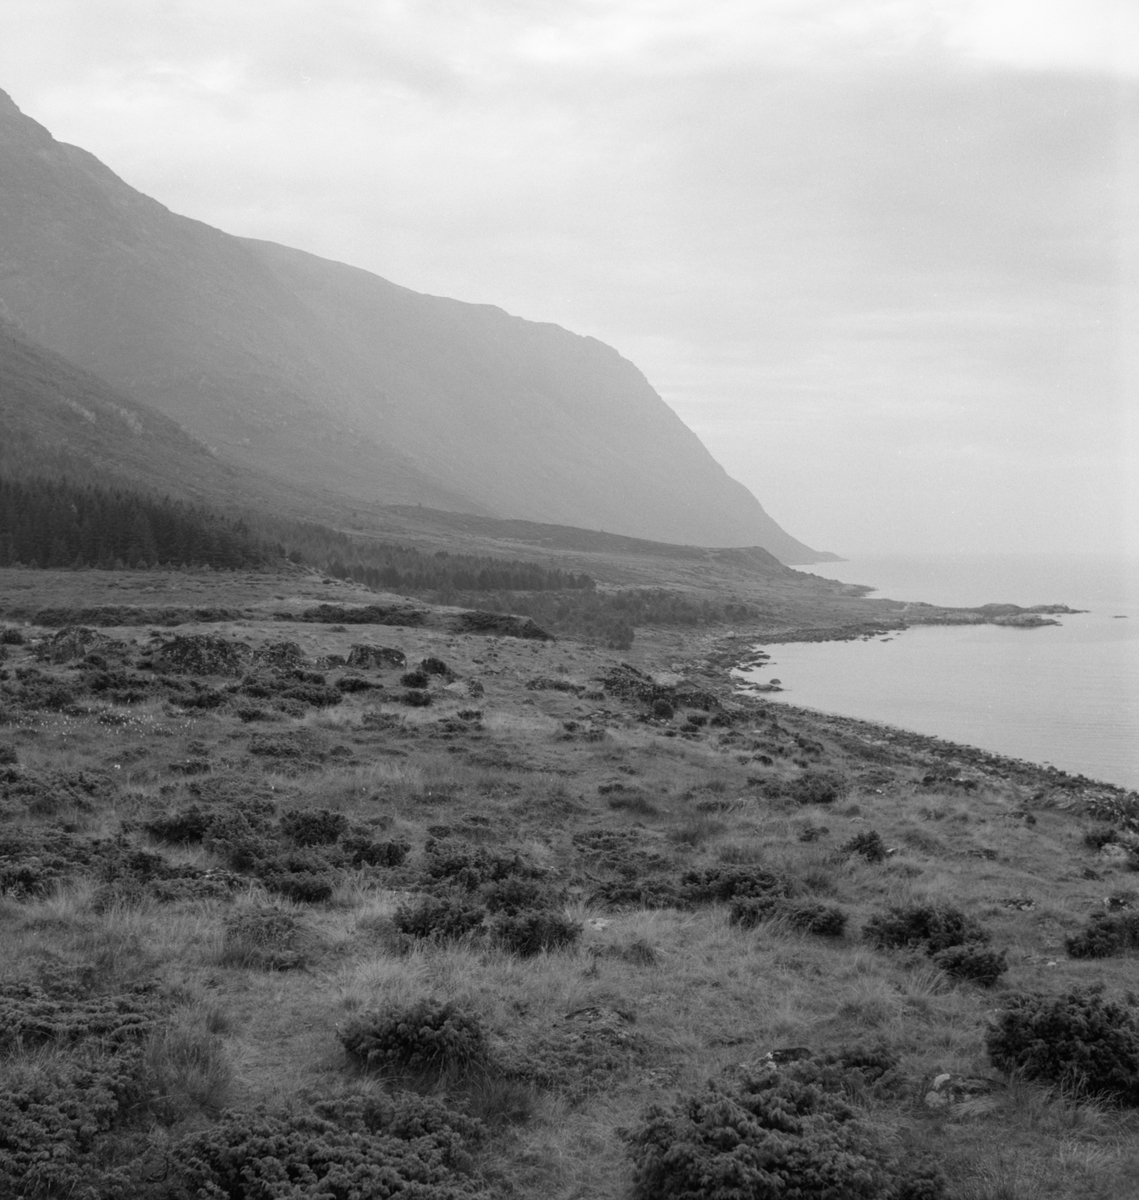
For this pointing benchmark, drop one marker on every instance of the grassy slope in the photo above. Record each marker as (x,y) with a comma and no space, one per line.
(698,994)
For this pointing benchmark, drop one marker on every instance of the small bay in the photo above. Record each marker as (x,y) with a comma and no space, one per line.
(1065,694)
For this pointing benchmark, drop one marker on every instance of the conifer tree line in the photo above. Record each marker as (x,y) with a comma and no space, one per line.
(403,569)
(391,566)
(56,523)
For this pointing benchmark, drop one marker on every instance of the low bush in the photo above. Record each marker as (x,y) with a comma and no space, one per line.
(533,931)
(262,937)
(440,918)
(180,827)
(515,894)
(768,1136)
(414,679)
(426,1037)
(726,882)
(1077,1040)
(368,853)
(816,787)
(637,893)
(972,963)
(470,866)
(302,887)
(404,1148)
(1106,935)
(928,927)
(416,698)
(313,826)
(868,844)
(56,1109)
(824,920)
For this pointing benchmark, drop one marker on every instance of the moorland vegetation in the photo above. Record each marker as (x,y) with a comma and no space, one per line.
(296,906)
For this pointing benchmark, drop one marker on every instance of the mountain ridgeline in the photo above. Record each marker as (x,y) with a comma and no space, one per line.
(324,378)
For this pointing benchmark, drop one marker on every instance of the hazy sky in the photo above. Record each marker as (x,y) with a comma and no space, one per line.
(879,254)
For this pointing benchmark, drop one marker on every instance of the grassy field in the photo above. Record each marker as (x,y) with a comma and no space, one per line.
(463,914)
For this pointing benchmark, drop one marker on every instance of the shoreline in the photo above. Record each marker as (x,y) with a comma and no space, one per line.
(740,652)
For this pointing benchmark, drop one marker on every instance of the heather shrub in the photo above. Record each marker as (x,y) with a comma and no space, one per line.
(972,963)
(824,920)
(1077,1040)
(317,695)
(10,636)
(470,866)
(816,787)
(928,927)
(180,827)
(55,1110)
(750,911)
(426,1037)
(416,698)
(637,893)
(404,1148)
(414,679)
(302,887)
(313,826)
(868,844)
(532,931)
(434,666)
(727,881)
(774,1135)
(440,918)
(263,937)
(514,894)
(1106,935)
(368,853)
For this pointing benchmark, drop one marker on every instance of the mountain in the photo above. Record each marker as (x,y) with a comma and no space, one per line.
(324,376)
(58,420)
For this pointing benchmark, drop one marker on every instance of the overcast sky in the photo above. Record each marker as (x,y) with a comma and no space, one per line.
(878,254)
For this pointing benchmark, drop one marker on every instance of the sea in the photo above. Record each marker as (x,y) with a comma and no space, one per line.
(1064,694)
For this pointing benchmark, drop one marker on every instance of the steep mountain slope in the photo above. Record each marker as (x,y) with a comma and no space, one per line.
(58,420)
(327,376)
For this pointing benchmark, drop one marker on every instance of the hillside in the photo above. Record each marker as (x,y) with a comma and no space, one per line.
(328,377)
(415,908)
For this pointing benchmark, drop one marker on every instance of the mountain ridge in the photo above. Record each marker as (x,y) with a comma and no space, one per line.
(325,375)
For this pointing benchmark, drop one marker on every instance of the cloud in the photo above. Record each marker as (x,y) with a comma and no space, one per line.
(842,238)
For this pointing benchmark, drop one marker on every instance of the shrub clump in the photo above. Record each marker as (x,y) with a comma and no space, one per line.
(263,937)
(313,826)
(816,787)
(955,941)
(53,1117)
(1078,1040)
(727,882)
(439,918)
(928,927)
(824,920)
(774,1134)
(368,853)
(471,867)
(426,1037)
(972,963)
(1106,935)
(868,844)
(409,1147)
(532,931)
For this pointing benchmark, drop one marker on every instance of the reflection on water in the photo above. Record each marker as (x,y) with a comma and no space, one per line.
(1067,694)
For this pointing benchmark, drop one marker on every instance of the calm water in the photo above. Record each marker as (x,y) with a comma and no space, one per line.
(1066,695)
